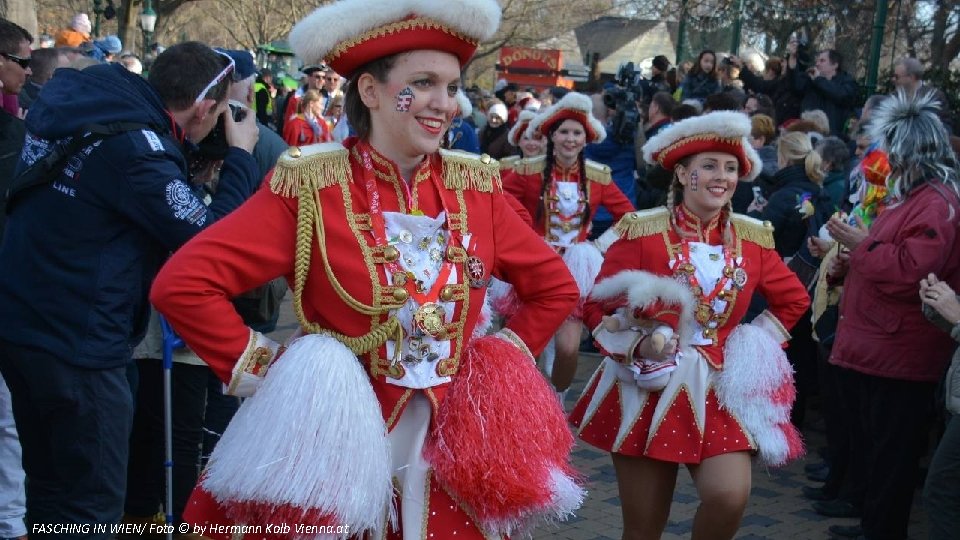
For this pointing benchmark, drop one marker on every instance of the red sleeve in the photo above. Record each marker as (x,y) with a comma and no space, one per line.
(622,255)
(291,132)
(245,249)
(515,185)
(512,202)
(543,284)
(786,297)
(615,201)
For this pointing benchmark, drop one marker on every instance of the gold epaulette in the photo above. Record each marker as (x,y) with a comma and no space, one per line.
(643,223)
(463,170)
(533,165)
(508,163)
(317,166)
(598,172)
(753,230)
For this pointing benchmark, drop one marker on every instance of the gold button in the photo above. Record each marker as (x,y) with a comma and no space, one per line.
(399,279)
(400,295)
(767,224)
(484,158)
(294,152)
(451,253)
(391,253)
(446,293)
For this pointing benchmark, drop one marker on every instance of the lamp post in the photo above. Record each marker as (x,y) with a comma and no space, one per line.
(97,12)
(148,21)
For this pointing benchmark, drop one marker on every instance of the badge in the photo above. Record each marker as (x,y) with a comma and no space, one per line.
(406,237)
(429,318)
(740,278)
(476,271)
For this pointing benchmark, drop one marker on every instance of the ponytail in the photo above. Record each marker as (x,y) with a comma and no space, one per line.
(812,165)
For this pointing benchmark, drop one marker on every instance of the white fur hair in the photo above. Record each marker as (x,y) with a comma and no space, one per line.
(573,100)
(727,124)
(584,262)
(642,289)
(463,102)
(523,121)
(319,32)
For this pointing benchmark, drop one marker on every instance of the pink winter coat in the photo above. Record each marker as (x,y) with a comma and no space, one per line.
(882,329)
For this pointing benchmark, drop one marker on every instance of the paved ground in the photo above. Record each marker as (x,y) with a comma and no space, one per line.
(776,510)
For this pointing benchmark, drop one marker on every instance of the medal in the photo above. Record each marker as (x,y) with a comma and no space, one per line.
(476,270)
(740,278)
(406,237)
(424,243)
(430,318)
(704,313)
(436,255)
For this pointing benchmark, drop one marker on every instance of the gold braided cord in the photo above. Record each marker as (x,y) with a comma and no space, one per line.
(309,215)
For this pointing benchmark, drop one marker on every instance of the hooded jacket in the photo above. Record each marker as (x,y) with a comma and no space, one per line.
(79,253)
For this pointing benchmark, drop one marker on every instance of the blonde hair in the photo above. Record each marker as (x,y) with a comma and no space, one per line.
(819,119)
(762,126)
(795,148)
(308,97)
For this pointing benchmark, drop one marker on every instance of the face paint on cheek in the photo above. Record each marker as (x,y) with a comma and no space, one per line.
(694,180)
(404,100)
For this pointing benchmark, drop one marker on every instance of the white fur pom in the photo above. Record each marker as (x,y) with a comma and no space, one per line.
(312,439)
(752,386)
(644,288)
(584,261)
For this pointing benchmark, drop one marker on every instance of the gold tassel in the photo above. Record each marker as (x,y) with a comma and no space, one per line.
(462,171)
(643,223)
(532,165)
(598,172)
(753,230)
(297,168)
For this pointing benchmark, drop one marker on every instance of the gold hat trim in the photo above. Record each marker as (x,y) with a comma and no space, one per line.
(421,23)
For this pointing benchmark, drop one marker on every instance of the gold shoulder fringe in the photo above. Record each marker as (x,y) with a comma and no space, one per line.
(532,165)
(463,170)
(753,230)
(508,163)
(317,166)
(598,172)
(643,223)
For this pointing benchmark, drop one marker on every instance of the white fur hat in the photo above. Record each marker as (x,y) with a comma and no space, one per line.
(523,122)
(573,106)
(348,34)
(463,103)
(497,109)
(721,131)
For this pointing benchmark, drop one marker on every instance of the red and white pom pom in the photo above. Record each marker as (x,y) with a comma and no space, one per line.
(501,443)
(756,385)
(503,298)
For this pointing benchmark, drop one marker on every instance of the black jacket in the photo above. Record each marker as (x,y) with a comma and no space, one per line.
(12,130)
(836,96)
(786,102)
(79,254)
(783,208)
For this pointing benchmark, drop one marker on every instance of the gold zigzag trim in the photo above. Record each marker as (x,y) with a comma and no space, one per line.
(419,23)
(700,137)
(644,223)
(462,171)
(295,170)
(753,230)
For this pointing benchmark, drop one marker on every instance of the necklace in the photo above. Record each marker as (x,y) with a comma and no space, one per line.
(685,271)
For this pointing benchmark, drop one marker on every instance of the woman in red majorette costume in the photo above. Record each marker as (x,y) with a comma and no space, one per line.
(730,393)
(393,415)
(561,190)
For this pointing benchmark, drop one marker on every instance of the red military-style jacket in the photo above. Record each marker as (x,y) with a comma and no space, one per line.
(525,182)
(649,242)
(258,242)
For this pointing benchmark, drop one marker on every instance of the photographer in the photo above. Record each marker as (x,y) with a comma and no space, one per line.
(822,86)
(774,83)
(82,246)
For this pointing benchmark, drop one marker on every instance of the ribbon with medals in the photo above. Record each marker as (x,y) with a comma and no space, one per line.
(566,223)
(704,313)
(429,317)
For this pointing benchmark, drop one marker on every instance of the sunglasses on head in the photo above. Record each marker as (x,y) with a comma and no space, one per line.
(219,78)
(24,62)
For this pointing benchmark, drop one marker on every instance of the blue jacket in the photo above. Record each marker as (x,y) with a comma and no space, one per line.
(463,137)
(622,161)
(79,254)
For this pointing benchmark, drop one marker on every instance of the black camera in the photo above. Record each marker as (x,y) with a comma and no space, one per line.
(214,145)
(623,99)
(726,61)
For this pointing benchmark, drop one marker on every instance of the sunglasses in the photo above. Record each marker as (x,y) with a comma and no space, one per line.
(24,62)
(219,78)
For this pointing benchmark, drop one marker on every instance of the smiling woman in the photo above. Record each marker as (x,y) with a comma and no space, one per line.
(393,414)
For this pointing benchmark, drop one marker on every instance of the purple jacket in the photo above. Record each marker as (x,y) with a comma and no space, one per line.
(882,329)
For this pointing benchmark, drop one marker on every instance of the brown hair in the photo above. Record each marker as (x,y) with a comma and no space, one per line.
(762,126)
(358,115)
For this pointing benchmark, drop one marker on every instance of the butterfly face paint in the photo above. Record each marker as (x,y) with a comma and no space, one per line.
(405,100)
